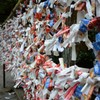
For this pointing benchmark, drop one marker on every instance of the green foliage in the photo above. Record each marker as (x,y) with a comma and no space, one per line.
(86,57)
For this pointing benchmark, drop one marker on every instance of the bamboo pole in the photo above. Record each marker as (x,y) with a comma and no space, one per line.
(13,11)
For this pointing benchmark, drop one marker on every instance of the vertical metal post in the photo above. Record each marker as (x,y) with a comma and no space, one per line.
(3,75)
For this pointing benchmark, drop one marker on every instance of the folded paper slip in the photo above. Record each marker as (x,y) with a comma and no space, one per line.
(63,31)
(96,44)
(70,92)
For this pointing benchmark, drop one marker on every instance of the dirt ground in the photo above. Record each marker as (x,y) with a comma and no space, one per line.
(6,93)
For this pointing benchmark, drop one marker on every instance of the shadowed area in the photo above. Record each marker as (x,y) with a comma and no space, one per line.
(5,8)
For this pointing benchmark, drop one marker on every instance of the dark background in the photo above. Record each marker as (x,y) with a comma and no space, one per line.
(5,8)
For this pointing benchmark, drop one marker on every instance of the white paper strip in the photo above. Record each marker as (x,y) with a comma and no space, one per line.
(55,26)
(73,52)
(61,61)
(89,8)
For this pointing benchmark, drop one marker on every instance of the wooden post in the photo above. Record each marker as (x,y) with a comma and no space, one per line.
(4,76)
